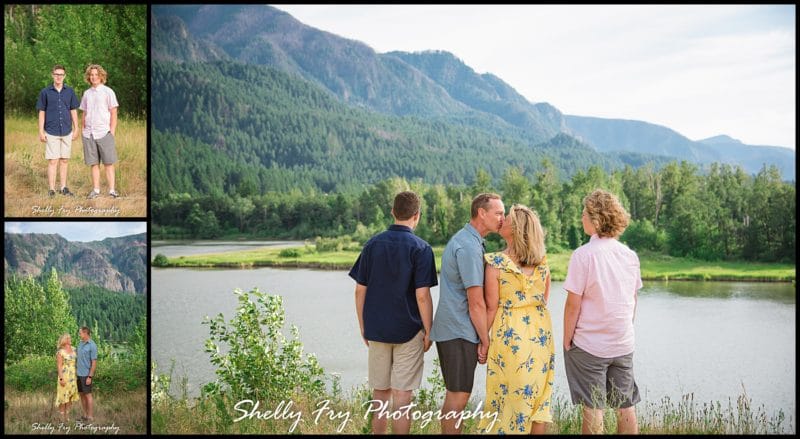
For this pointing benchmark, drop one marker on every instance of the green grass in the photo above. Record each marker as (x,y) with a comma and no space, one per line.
(653,266)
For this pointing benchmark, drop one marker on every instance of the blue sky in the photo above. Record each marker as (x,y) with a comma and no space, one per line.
(701,70)
(79,231)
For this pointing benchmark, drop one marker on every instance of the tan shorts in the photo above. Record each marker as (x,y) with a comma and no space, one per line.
(57,147)
(396,366)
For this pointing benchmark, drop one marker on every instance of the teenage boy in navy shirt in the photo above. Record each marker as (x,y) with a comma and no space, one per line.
(394,274)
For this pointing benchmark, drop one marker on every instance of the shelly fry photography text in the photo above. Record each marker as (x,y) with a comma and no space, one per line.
(249,410)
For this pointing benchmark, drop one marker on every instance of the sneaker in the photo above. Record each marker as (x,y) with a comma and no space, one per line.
(51,193)
(113,194)
(65,191)
(93,194)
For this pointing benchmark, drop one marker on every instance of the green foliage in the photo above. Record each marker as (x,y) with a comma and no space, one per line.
(113,316)
(254,359)
(38,37)
(38,372)
(160,261)
(36,314)
(289,253)
(338,244)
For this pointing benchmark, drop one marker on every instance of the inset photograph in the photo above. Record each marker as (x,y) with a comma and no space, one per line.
(75,328)
(75,111)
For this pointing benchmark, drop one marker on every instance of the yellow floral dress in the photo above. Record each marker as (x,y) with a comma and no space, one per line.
(68,392)
(519,374)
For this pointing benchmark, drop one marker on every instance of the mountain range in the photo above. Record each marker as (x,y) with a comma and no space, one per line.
(115,264)
(434,87)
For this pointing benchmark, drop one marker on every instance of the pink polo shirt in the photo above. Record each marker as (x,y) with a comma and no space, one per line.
(97,103)
(606,273)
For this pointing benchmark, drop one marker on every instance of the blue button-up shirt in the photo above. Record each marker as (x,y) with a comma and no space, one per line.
(56,106)
(462,267)
(87,351)
(393,264)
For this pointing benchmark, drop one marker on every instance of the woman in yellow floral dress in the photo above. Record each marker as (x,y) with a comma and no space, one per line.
(67,389)
(519,375)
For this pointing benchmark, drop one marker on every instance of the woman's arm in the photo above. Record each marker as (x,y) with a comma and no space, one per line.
(491,294)
(59,362)
(547,288)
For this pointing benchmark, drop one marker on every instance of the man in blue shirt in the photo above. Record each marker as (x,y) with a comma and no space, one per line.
(86,364)
(394,274)
(58,127)
(460,329)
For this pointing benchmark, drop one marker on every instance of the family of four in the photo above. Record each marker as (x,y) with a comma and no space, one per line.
(493,310)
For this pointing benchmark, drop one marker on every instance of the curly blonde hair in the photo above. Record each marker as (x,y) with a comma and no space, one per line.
(606,213)
(528,236)
(101,72)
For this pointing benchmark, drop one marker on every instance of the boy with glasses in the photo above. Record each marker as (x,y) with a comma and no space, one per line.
(58,127)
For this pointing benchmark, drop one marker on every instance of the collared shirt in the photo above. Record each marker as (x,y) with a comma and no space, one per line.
(607,274)
(57,106)
(393,264)
(97,102)
(462,267)
(87,351)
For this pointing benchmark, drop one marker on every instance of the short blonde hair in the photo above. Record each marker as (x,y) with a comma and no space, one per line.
(606,213)
(528,236)
(101,72)
(62,340)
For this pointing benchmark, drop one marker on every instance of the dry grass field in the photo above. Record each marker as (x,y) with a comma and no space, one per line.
(35,413)
(26,185)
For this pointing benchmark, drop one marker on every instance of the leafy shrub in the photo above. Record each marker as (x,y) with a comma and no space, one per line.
(260,363)
(38,373)
(160,261)
(289,253)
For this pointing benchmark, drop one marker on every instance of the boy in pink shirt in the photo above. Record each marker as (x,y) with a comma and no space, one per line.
(99,105)
(602,280)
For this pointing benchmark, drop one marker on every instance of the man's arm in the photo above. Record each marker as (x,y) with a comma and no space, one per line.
(91,371)
(42,136)
(75,130)
(361,295)
(477,313)
(83,120)
(113,121)
(425,304)
(571,311)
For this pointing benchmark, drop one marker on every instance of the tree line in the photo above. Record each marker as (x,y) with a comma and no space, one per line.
(39,36)
(720,214)
(38,311)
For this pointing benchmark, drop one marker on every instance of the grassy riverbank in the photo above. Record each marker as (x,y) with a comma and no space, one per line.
(654,266)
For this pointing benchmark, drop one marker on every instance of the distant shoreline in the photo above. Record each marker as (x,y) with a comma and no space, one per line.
(655,267)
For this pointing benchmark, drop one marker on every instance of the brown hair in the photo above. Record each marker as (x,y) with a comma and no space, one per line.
(100,72)
(481,201)
(58,67)
(606,213)
(86,328)
(406,205)
(528,236)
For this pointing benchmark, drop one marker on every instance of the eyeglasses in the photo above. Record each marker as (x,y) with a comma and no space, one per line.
(59,74)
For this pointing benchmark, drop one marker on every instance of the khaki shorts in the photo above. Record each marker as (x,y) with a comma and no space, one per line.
(57,147)
(104,149)
(599,382)
(396,366)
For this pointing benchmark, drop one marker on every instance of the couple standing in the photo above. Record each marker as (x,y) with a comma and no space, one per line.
(517,341)
(58,127)
(75,374)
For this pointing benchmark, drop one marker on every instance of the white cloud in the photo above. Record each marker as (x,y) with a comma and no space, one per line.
(700,70)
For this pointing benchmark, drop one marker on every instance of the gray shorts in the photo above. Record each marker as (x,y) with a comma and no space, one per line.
(458,359)
(103,148)
(596,382)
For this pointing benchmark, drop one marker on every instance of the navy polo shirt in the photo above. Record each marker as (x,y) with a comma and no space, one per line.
(56,106)
(393,264)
